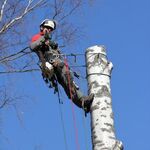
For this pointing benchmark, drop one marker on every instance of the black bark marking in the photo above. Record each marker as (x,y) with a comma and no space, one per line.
(103,116)
(106,130)
(94,108)
(104,108)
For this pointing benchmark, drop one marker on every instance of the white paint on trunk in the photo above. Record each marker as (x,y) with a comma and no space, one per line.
(102,122)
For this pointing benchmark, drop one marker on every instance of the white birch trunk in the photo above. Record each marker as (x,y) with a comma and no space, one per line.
(102,123)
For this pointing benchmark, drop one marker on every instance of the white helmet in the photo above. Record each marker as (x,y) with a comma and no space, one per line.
(48,23)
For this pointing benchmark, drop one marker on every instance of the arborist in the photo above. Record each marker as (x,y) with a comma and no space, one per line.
(53,66)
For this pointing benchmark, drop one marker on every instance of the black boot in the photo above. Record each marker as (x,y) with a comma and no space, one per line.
(86,103)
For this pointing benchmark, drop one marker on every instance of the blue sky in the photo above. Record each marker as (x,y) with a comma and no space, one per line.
(123,27)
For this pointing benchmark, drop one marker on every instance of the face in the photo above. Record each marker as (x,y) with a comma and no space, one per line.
(47,30)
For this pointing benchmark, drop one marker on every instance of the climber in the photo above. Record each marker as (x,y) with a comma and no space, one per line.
(51,62)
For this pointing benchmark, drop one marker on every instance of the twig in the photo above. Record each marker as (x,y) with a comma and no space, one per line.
(2,9)
(19,71)
(27,9)
(7,58)
(71,11)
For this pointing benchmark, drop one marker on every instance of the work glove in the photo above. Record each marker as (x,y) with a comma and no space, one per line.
(46,39)
(53,45)
(47,36)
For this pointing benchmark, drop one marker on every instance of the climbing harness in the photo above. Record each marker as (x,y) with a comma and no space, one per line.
(51,56)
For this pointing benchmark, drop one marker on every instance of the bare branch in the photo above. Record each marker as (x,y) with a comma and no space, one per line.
(15,55)
(71,11)
(19,71)
(27,9)
(2,9)
(4,97)
(58,8)
(5,101)
(19,114)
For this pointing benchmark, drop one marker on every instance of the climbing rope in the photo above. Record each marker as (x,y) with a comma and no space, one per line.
(62,118)
(85,130)
(72,106)
(83,113)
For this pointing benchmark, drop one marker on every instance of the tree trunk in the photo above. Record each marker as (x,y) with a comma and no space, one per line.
(102,121)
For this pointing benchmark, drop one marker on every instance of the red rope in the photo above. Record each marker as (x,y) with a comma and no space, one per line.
(72,106)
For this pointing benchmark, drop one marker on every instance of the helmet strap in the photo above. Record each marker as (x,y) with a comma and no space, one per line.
(41,28)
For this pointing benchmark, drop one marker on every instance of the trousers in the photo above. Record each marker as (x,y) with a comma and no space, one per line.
(66,80)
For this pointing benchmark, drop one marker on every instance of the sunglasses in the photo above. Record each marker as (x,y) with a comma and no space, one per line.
(49,28)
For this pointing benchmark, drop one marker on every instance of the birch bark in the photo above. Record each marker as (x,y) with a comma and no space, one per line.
(102,121)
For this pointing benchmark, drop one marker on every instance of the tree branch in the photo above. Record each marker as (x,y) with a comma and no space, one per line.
(4,103)
(71,11)
(15,55)
(19,71)
(27,9)
(58,8)
(2,9)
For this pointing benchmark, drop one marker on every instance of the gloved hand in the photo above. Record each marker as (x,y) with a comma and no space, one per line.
(53,45)
(46,39)
(47,36)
